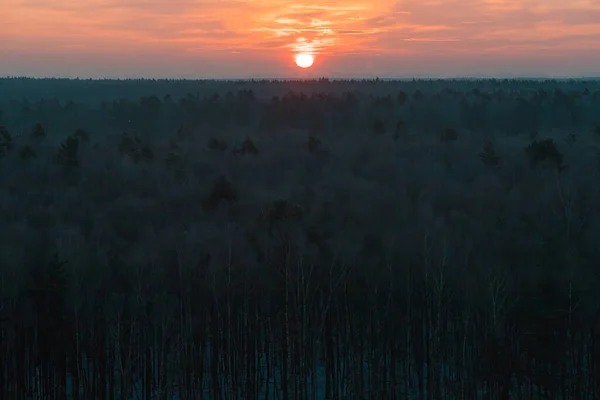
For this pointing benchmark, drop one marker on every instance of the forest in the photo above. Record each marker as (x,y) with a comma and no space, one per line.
(324,239)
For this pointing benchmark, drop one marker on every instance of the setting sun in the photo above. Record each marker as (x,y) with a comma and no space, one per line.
(304,60)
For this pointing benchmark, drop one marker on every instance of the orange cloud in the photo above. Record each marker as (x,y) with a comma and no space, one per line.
(182,31)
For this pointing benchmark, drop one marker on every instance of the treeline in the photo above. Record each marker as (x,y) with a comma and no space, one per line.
(498,106)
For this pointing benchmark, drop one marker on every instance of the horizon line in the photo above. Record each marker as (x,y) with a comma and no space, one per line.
(316,78)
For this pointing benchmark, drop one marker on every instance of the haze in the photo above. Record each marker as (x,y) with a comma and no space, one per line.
(259,38)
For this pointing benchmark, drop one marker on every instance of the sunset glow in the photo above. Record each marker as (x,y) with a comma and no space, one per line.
(251,38)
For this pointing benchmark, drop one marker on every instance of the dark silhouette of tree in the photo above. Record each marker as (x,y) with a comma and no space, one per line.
(38,132)
(222,190)
(6,141)
(489,155)
(68,153)
(401,97)
(539,151)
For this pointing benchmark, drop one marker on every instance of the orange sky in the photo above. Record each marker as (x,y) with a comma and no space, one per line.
(242,38)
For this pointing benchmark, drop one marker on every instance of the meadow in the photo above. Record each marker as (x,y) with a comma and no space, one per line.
(418,239)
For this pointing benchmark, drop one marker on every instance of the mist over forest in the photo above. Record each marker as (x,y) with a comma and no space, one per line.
(357,239)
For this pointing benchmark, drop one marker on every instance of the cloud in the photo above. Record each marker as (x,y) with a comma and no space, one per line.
(276,27)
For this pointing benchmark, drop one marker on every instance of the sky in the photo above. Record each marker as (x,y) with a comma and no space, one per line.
(259,38)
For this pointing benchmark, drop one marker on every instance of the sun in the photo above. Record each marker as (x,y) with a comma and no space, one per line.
(304,60)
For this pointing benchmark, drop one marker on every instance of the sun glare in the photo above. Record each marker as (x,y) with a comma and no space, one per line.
(304,60)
